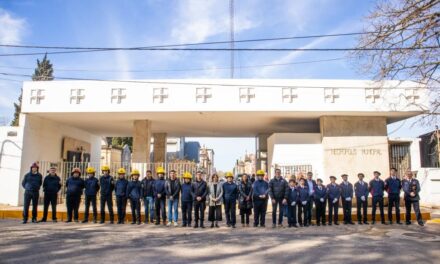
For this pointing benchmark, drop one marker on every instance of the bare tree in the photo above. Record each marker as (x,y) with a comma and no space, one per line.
(410,24)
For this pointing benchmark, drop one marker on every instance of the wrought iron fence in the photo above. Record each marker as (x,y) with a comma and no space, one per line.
(289,171)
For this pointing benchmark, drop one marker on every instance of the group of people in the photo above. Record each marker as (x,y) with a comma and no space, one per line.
(294,199)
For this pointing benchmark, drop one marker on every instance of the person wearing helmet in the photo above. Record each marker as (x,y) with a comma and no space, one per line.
(74,189)
(160,196)
(230,196)
(134,192)
(31,183)
(172,188)
(186,200)
(334,193)
(148,197)
(51,187)
(92,188)
(107,186)
(245,200)
(260,196)
(199,192)
(121,195)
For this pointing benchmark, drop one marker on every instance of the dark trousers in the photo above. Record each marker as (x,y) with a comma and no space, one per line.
(394,201)
(320,211)
(260,208)
(72,204)
(291,215)
(199,211)
(107,199)
(121,204)
(278,203)
(416,208)
(230,212)
(361,209)
(346,207)
(186,212)
(303,212)
(50,198)
(28,197)
(333,209)
(377,200)
(159,206)
(90,199)
(135,205)
(244,215)
(309,208)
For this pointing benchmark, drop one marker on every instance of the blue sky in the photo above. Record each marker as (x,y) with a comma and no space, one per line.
(154,22)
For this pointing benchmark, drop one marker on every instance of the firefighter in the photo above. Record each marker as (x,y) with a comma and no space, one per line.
(121,195)
(74,190)
(91,190)
(260,196)
(31,183)
(230,196)
(107,186)
(51,187)
(160,196)
(134,193)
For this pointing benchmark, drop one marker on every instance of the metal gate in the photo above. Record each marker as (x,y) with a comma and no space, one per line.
(400,157)
(288,171)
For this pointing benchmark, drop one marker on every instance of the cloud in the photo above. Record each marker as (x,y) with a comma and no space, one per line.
(11,28)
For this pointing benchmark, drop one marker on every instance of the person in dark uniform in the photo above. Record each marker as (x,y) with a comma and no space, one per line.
(160,196)
(134,193)
(260,196)
(121,195)
(303,200)
(278,188)
(51,187)
(311,186)
(292,200)
(92,188)
(346,197)
(31,183)
(245,199)
(199,192)
(148,197)
(361,193)
(320,197)
(253,178)
(393,185)
(74,189)
(107,186)
(186,200)
(230,196)
(215,201)
(376,187)
(334,193)
(411,189)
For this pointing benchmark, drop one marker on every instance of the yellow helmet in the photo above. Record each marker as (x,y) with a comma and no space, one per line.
(229,174)
(105,168)
(135,172)
(187,175)
(121,171)
(260,172)
(90,170)
(160,170)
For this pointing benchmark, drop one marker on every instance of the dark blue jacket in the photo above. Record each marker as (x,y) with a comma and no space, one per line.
(186,192)
(230,191)
(51,184)
(260,187)
(159,188)
(409,186)
(334,191)
(121,187)
(376,188)
(393,186)
(107,185)
(361,190)
(292,195)
(32,182)
(313,185)
(74,186)
(134,190)
(303,193)
(199,189)
(147,187)
(278,188)
(346,190)
(320,193)
(92,186)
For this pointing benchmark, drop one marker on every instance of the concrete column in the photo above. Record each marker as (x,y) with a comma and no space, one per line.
(261,149)
(160,147)
(141,141)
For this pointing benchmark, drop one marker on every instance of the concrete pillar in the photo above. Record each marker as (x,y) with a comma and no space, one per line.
(261,149)
(160,147)
(141,141)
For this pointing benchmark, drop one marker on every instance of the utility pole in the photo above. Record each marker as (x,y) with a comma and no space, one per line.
(231,20)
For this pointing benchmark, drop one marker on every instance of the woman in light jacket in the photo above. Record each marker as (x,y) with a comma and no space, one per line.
(215,201)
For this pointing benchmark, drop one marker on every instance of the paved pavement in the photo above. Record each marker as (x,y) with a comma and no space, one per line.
(94,243)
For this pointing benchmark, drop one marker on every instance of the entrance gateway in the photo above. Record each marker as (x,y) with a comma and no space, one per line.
(331,126)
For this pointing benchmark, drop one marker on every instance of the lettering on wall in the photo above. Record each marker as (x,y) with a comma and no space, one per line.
(355,152)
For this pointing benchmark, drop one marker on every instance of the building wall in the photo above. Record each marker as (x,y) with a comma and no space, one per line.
(429,179)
